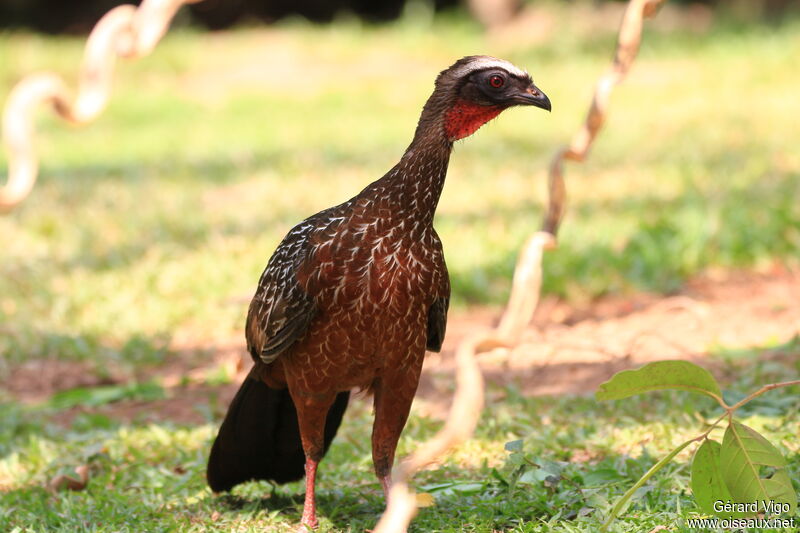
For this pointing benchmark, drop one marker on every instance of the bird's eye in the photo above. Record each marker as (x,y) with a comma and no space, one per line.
(496,81)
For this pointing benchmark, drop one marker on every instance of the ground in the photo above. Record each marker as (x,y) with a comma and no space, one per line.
(567,350)
(126,274)
(566,353)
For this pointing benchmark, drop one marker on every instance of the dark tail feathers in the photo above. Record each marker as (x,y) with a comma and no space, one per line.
(260,437)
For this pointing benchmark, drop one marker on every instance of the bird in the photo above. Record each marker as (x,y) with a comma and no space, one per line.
(352,298)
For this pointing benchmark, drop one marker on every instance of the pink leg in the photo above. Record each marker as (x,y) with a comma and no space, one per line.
(393,396)
(386,483)
(310,504)
(312,411)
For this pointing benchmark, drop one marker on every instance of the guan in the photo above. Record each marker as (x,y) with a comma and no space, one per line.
(352,298)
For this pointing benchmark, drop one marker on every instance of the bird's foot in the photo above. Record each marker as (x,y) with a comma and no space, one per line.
(308,526)
(309,521)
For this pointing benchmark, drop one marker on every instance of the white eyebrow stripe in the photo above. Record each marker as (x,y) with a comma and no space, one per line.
(489,62)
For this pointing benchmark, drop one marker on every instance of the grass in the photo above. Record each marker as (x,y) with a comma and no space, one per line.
(212,148)
(149,228)
(536,464)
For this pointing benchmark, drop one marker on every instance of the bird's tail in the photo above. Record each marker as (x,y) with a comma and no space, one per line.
(260,437)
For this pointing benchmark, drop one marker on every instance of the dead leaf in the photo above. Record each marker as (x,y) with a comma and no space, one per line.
(63,481)
(425,500)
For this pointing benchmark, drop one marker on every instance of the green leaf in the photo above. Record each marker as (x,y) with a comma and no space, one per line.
(601,476)
(780,489)
(514,445)
(533,476)
(543,470)
(96,396)
(743,456)
(707,484)
(681,375)
(453,488)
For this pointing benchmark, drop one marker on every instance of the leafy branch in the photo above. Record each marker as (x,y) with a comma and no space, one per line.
(746,470)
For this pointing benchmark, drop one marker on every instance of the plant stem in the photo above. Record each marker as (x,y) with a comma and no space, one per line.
(659,465)
(653,469)
(762,390)
(713,425)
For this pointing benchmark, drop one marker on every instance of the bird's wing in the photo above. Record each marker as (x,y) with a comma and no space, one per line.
(437,323)
(437,313)
(280,311)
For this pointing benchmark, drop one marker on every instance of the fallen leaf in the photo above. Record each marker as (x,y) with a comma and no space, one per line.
(425,500)
(64,481)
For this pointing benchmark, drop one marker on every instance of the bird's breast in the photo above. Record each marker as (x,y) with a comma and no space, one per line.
(373,267)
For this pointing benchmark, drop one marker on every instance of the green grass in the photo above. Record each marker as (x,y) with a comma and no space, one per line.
(570,459)
(149,228)
(159,217)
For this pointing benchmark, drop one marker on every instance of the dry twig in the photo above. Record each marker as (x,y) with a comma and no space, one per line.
(65,482)
(125,31)
(468,401)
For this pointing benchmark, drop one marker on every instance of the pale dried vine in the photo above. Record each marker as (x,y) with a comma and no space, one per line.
(125,31)
(468,400)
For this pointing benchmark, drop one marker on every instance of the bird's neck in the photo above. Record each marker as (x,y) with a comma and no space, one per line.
(410,191)
(418,178)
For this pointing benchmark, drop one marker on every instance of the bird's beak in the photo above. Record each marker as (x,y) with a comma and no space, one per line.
(535,97)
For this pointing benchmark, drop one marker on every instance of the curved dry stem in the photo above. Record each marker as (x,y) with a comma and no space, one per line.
(524,298)
(630,36)
(461,422)
(125,31)
(525,288)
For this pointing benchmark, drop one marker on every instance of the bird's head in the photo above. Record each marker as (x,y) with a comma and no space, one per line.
(474,90)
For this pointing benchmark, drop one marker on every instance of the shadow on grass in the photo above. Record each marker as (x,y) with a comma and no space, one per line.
(338,507)
(667,241)
(41,355)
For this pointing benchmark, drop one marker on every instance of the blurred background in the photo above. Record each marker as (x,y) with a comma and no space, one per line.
(125,276)
(54,16)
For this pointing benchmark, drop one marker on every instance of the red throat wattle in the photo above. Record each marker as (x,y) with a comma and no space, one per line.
(464,118)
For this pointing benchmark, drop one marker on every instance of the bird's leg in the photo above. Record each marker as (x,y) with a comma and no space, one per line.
(394,393)
(312,412)
(310,504)
(386,483)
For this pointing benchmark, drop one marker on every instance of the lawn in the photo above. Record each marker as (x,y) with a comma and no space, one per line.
(148,229)
(149,477)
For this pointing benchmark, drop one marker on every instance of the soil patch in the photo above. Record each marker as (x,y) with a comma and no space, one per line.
(567,350)
(572,350)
